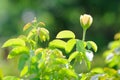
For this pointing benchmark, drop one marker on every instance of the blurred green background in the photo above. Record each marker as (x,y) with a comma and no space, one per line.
(59,15)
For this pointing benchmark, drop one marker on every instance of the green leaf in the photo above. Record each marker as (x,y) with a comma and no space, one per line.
(61,61)
(14,42)
(114,44)
(41,24)
(1,75)
(57,43)
(71,73)
(110,71)
(10,78)
(68,72)
(57,53)
(91,44)
(73,56)
(97,70)
(34,59)
(65,34)
(80,46)
(70,44)
(18,50)
(107,53)
(24,71)
(23,37)
(38,51)
(43,34)
(22,61)
(32,34)
(83,76)
(88,64)
(28,25)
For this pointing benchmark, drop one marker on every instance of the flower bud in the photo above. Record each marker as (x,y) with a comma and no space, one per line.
(86,21)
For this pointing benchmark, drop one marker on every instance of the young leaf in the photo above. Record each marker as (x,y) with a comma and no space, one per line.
(27,26)
(43,34)
(57,43)
(61,61)
(14,42)
(70,44)
(17,51)
(80,46)
(23,37)
(38,51)
(65,34)
(24,71)
(73,56)
(58,53)
(91,44)
(41,24)
(32,33)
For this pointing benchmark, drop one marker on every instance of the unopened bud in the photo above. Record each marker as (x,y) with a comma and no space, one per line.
(86,21)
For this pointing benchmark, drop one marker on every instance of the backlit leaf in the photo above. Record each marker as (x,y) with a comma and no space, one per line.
(14,42)
(58,53)
(17,51)
(83,76)
(43,34)
(110,71)
(38,51)
(70,44)
(61,61)
(10,78)
(24,71)
(114,44)
(65,34)
(41,24)
(32,33)
(57,43)
(73,56)
(91,44)
(97,70)
(27,26)
(68,72)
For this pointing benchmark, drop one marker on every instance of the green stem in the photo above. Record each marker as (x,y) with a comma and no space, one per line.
(84,33)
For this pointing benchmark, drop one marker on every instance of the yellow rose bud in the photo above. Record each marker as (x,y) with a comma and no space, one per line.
(86,21)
